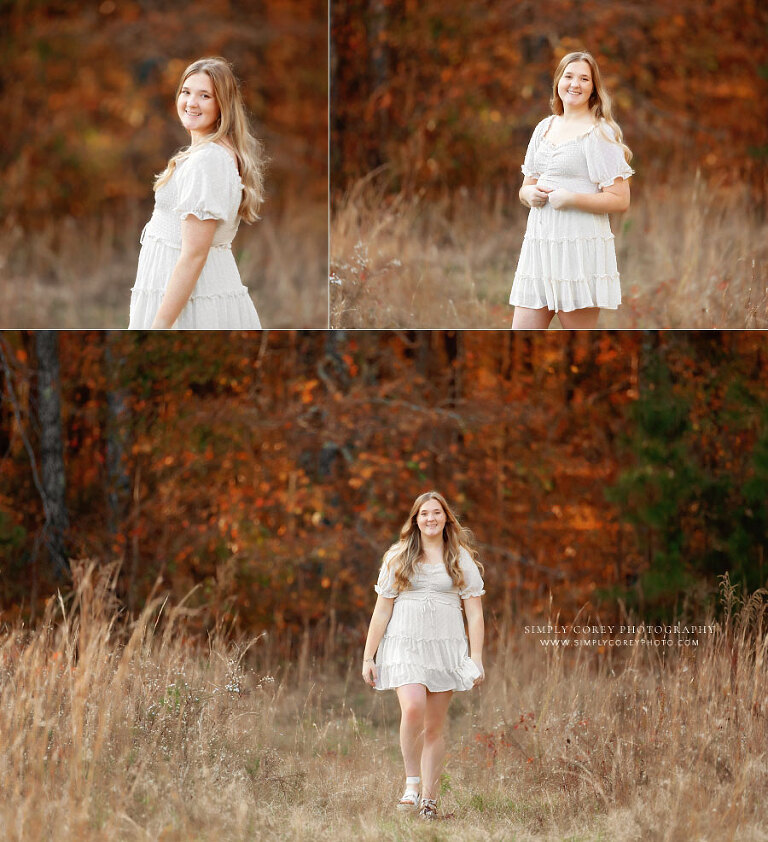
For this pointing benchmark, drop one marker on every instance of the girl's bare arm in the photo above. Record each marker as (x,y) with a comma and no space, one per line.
(611,199)
(196,239)
(379,620)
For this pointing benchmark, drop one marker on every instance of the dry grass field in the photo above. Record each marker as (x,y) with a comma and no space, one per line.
(118,729)
(689,256)
(79,273)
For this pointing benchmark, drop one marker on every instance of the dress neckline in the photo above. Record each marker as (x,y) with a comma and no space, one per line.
(565,142)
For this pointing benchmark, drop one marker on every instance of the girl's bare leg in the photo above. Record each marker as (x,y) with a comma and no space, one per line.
(413,704)
(526,319)
(585,319)
(434,741)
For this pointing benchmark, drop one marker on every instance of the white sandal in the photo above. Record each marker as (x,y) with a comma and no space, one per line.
(410,799)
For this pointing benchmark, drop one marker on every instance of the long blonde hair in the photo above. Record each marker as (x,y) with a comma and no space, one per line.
(408,551)
(232,126)
(599,100)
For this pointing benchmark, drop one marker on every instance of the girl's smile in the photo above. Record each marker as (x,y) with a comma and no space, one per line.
(431,518)
(575,86)
(197,107)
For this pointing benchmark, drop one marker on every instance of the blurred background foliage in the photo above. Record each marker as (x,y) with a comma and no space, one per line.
(446,93)
(89,92)
(273,469)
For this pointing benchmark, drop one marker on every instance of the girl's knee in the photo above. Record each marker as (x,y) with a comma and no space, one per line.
(413,710)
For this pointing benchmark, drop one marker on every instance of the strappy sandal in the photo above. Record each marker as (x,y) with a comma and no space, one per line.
(410,799)
(428,809)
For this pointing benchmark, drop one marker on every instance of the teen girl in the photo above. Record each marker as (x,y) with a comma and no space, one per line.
(187,277)
(416,642)
(576,172)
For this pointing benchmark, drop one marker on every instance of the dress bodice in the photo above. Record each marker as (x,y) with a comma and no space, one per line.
(432,581)
(206,185)
(584,164)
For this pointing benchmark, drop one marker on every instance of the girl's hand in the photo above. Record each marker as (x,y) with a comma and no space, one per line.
(534,196)
(369,672)
(481,678)
(560,198)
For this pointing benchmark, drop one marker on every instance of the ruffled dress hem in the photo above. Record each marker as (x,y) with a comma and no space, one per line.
(603,291)
(460,677)
(463,682)
(219,311)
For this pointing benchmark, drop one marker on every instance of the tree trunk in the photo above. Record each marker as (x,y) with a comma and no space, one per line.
(452,345)
(117,428)
(379,72)
(417,348)
(118,481)
(53,477)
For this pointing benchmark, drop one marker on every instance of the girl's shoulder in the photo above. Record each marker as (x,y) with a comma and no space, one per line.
(209,153)
(543,125)
(227,150)
(605,131)
(390,554)
(210,150)
(214,159)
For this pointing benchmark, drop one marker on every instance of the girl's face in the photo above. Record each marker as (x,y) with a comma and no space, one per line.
(197,106)
(575,85)
(431,519)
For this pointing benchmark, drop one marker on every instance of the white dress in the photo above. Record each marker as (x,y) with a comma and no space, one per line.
(424,642)
(568,259)
(206,185)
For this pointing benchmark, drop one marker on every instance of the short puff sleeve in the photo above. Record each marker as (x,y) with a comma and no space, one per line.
(529,167)
(205,184)
(473,581)
(385,586)
(605,159)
